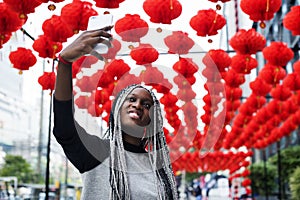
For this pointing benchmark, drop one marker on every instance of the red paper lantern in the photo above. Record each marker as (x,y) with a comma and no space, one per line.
(272,74)
(296,66)
(22,59)
(260,87)
(9,20)
(151,76)
(292,81)
(23,7)
(85,61)
(168,99)
(260,10)
(131,28)
(186,94)
(4,37)
(278,54)
(207,22)
(56,29)
(291,20)
(116,68)
(77,14)
(108,3)
(47,80)
(45,47)
(144,54)
(234,79)
(243,63)
(185,67)
(247,42)
(233,94)
(179,42)
(246,182)
(112,52)
(164,87)
(281,93)
(86,84)
(217,58)
(161,11)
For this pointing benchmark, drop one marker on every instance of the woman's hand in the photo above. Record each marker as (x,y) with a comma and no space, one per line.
(85,44)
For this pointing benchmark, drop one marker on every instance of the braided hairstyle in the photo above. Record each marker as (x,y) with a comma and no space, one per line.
(157,151)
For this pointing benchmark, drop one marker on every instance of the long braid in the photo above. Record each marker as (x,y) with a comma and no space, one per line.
(157,149)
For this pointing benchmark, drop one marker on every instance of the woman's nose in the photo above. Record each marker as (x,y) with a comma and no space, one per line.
(137,104)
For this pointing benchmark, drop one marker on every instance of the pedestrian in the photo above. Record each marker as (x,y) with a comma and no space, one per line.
(132,161)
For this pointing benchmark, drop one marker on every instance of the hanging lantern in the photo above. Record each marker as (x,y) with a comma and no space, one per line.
(76,15)
(112,52)
(131,28)
(47,80)
(151,76)
(233,94)
(85,84)
(278,54)
(291,20)
(164,87)
(168,99)
(292,81)
(9,20)
(260,10)
(22,59)
(45,47)
(56,29)
(144,54)
(23,7)
(117,68)
(85,61)
(207,22)
(108,3)
(247,42)
(102,96)
(296,66)
(272,74)
(161,11)
(234,79)
(186,94)
(4,37)
(260,87)
(281,93)
(179,42)
(218,58)
(243,63)
(185,67)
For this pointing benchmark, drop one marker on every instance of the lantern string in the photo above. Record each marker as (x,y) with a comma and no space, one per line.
(26,33)
(236,15)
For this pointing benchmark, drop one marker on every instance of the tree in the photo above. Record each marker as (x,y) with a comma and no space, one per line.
(290,160)
(295,183)
(17,166)
(260,180)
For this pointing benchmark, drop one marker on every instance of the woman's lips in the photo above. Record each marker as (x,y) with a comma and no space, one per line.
(133,115)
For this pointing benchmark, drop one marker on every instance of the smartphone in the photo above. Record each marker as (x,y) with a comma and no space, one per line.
(98,22)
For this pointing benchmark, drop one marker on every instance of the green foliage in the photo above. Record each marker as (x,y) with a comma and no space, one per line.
(260,181)
(295,184)
(290,160)
(17,166)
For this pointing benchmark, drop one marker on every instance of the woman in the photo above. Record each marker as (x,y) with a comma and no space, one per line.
(132,162)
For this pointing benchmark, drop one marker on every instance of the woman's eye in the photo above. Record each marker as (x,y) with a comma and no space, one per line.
(147,106)
(131,99)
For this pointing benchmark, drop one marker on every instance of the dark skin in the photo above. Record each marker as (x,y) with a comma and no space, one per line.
(135,115)
(139,101)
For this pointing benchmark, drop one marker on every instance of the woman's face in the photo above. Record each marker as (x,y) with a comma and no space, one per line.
(135,112)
